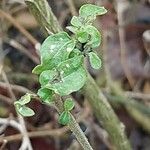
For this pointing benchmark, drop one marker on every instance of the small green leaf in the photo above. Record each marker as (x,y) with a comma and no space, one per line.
(52,45)
(24,99)
(72,29)
(82,36)
(75,21)
(69,66)
(25,111)
(64,118)
(48,76)
(95,39)
(55,49)
(75,52)
(88,10)
(46,95)
(39,69)
(95,61)
(68,104)
(71,83)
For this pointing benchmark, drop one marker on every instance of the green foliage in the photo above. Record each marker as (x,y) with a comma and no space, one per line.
(25,111)
(64,118)
(95,61)
(68,104)
(62,57)
(46,95)
(24,99)
(21,107)
(89,10)
(75,21)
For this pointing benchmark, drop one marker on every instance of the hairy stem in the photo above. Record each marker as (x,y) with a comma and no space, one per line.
(99,104)
(106,115)
(73,126)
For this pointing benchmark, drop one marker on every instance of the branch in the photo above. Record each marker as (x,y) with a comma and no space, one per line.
(73,126)
(19,27)
(44,15)
(99,104)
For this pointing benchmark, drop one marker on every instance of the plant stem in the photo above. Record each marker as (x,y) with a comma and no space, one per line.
(73,126)
(98,101)
(79,134)
(44,15)
(106,115)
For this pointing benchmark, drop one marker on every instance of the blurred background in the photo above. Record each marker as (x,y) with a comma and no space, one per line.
(124,77)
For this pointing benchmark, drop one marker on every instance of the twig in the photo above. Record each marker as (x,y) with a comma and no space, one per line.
(74,127)
(138,95)
(33,134)
(120,5)
(42,133)
(16,87)
(19,27)
(72,7)
(6,99)
(13,123)
(23,50)
(26,142)
(44,15)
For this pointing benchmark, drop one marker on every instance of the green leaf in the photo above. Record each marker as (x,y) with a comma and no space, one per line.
(69,66)
(75,52)
(48,76)
(72,29)
(64,118)
(39,69)
(55,49)
(82,36)
(25,111)
(52,44)
(70,83)
(95,39)
(88,10)
(24,99)
(72,76)
(46,95)
(68,104)
(75,21)
(95,61)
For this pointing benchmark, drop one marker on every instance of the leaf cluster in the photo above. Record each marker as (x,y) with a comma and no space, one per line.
(62,56)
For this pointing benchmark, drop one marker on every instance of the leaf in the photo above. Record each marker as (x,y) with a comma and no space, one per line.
(88,10)
(48,76)
(55,49)
(64,118)
(68,104)
(23,100)
(95,61)
(39,69)
(46,95)
(52,44)
(95,39)
(82,36)
(69,66)
(75,52)
(72,29)
(72,74)
(25,111)
(75,21)
(70,83)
